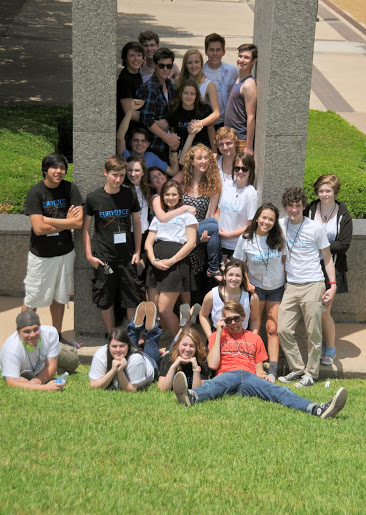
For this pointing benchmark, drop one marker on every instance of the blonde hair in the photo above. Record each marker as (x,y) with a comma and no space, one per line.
(200,353)
(330,179)
(210,183)
(184,73)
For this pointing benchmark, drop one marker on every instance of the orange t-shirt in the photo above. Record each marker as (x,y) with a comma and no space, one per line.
(239,353)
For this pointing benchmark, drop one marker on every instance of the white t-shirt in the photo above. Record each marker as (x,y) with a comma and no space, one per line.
(139,369)
(262,262)
(224,178)
(14,358)
(175,229)
(303,242)
(237,206)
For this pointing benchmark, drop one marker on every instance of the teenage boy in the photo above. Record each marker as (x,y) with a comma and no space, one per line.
(305,291)
(223,75)
(151,43)
(242,103)
(237,355)
(31,355)
(115,253)
(140,142)
(54,209)
(157,93)
(129,80)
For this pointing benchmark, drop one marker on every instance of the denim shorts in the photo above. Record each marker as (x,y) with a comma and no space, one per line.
(270,295)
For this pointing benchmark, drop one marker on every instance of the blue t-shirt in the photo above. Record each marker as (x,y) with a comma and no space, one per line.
(151,159)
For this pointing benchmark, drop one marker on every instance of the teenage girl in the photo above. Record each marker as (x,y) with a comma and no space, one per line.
(261,248)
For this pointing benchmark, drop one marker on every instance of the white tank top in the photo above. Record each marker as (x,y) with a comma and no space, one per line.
(203,89)
(217,305)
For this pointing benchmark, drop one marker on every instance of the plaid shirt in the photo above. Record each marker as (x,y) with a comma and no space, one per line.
(155,108)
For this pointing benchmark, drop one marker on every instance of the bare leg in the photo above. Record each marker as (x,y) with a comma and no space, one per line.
(328,327)
(57,314)
(130,313)
(167,302)
(153,295)
(185,297)
(271,328)
(108,318)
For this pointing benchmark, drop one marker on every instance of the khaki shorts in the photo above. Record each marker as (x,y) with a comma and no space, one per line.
(48,279)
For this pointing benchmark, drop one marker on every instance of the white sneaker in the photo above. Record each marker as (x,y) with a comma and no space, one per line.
(304,382)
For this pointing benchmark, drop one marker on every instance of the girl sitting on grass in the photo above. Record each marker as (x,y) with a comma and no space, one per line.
(187,355)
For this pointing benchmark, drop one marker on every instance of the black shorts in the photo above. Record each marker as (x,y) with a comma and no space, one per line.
(124,281)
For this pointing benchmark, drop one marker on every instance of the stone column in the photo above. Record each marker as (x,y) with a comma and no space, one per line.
(94,101)
(284,33)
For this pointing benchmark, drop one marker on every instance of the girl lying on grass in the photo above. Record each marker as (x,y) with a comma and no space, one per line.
(189,356)
(118,365)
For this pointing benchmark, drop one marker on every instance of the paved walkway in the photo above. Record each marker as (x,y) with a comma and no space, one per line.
(35,52)
(350,341)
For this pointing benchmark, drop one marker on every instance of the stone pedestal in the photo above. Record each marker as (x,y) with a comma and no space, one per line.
(284,33)
(94,100)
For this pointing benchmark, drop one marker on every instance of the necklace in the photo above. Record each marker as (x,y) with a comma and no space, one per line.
(241,335)
(326,218)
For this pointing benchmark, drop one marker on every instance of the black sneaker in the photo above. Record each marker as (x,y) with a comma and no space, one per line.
(292,376)
(27,374)
(180,387)
(71,343)
(331,408)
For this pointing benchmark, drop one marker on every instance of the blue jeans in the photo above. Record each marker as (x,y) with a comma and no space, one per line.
(151,347)
(214,253)
(247,384)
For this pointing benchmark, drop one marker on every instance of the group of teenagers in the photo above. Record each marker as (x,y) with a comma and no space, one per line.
(179,226)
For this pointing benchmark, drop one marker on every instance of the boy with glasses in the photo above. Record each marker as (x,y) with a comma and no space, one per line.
(151,43)
(237,355)
(157,93)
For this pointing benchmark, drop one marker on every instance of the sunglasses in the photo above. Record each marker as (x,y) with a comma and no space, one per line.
(162,66)
(238,168)
(236,318)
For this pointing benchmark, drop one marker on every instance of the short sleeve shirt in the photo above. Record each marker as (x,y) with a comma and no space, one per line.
(173,230)
(53,203)
(239,353)
(112,215)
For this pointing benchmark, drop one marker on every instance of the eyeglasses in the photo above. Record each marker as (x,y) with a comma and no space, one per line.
(162,66)
(238,168)
(236,318)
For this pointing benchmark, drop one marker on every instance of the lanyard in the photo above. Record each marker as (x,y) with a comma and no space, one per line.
(261,255)
(293,244)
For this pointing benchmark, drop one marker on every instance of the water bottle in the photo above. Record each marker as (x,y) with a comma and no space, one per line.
(62,378)
(324,307)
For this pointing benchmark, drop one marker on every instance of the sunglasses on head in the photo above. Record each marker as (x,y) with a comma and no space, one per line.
(162,66)
(238,168)
(236,318)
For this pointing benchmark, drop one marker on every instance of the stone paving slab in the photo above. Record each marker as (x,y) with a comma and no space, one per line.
(350,339)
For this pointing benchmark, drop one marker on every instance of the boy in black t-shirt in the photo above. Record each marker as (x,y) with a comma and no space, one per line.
(54,208)
(114,252)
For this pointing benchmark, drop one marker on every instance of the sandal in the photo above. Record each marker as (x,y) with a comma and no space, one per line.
(214,275)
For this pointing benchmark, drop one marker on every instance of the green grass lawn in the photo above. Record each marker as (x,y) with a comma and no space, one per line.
(92,451)
(27,134)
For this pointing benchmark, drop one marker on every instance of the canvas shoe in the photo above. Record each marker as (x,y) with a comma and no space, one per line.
(180,388)
(195,312)
(292,376)
(304,382)
(271,378)
(329,356)
(151,313)
(184,314)
(331,408)
(140,314)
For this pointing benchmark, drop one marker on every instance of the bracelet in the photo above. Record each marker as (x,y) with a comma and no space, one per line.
(156,259)
(198,369)
(332,282)
(174,151)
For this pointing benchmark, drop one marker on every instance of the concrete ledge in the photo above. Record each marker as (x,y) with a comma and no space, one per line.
(14,244)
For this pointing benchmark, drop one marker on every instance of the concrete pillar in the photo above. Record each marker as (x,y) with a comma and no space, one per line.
(284,32)
(94,101)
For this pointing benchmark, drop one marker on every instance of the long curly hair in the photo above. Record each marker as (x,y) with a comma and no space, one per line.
(184,73)
(144,184)
(200,353)
(210,183)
